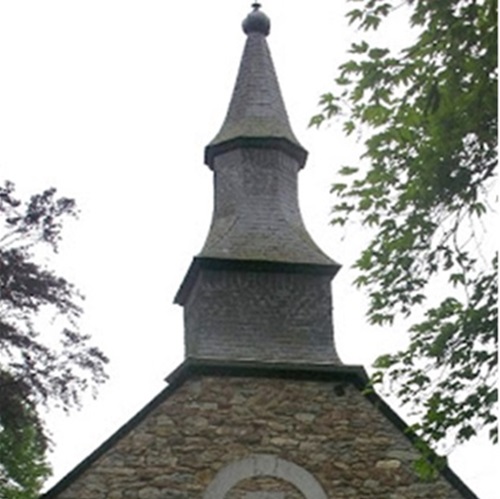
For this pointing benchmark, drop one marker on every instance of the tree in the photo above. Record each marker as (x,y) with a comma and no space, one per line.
(428,119)
(44,358)
(23,466)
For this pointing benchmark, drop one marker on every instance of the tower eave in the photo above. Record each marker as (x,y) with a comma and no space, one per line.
(199,263)
(284,144)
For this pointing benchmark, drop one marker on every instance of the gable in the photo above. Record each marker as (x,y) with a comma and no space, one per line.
(213,416)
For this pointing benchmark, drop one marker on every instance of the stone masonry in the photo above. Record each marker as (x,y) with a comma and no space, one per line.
(335,434)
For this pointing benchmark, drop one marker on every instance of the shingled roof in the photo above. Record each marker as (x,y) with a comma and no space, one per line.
(257,113)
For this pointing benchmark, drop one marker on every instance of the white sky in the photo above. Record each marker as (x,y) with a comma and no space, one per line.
(113,102)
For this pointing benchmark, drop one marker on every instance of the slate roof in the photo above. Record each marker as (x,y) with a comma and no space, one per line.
(256,111)
(256,214)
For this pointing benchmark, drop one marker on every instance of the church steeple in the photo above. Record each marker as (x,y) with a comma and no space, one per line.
(257,113)
(260,288)
(256,158)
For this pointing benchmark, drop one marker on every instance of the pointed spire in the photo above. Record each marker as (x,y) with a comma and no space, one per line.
(260,288)
(256,158)
(256,116)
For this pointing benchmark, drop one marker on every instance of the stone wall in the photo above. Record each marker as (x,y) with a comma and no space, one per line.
(350,448)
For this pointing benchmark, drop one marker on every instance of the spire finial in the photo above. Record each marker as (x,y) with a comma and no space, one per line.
(257,21)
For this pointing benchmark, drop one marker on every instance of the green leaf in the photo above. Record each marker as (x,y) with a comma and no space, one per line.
(338,187)
(478,209)
(384,362)
(354,15)
(317,120)
(458,278)
(359,48)
(348,170)
(370,22)
(349,127)
(377,53)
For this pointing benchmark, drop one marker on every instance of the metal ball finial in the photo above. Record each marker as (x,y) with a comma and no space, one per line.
(257,21)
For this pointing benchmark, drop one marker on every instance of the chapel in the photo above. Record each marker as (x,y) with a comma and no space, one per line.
(262,406)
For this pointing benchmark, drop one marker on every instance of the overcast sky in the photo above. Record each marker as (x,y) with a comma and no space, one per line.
(113,102)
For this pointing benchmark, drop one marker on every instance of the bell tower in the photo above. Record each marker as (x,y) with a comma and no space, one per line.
(260,288)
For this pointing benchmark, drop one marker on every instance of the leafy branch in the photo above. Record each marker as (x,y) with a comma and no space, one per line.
(427,116)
